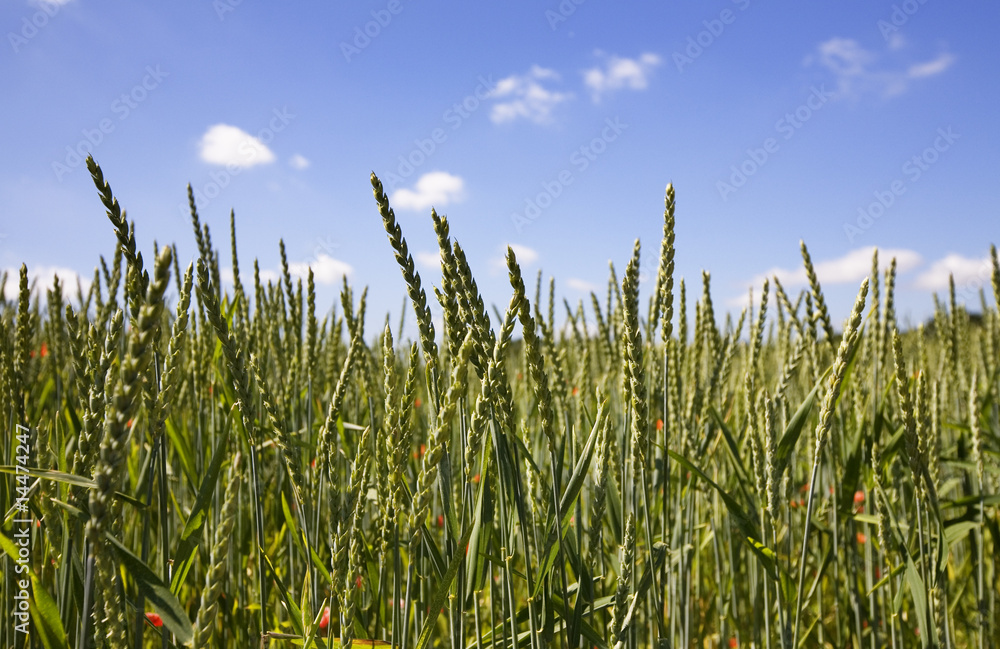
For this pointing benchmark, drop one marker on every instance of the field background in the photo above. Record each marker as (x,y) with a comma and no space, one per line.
(246,468)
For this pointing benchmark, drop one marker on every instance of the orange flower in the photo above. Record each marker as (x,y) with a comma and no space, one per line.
(475,478)
(862,538)
(420,452)
(576,391)
(417,402)
(659,424)
(154,619)
(733,643)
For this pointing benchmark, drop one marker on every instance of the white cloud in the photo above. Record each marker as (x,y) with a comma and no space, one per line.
(969,273)
(42,278)
(299,161)
(326,269)
(859,71)
(896,41)
(266,275)
(932,67)
(525,257)
(223,144)
(434,189)
(524,254)
(581,285)
(524,96)
(848,269)
(620,72)
(428,260)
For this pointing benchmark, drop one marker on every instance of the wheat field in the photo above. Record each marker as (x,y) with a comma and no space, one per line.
(246,468)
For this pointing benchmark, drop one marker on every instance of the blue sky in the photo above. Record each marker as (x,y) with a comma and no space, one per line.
(553,127)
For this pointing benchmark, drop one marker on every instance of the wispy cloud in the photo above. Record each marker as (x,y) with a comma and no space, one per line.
(847,269)
(524,254)
(526,97)
(581,285)
(525,257)
(41,278)
(619,72)
(969,272)
(433,189)
(326,269)
(299,161)
(932,67)
(223,144)
(428,260)
(859,71)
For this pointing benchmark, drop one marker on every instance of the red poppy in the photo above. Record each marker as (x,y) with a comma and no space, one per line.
(659,424)
(417,402)
(733,643)
(357,581)
(576,391)
(154,619)
(440,520)
(859,497)
(129,423)
(313,463)
(420,452)
(475,478)
(862,538)
(44,350)
(324,621)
